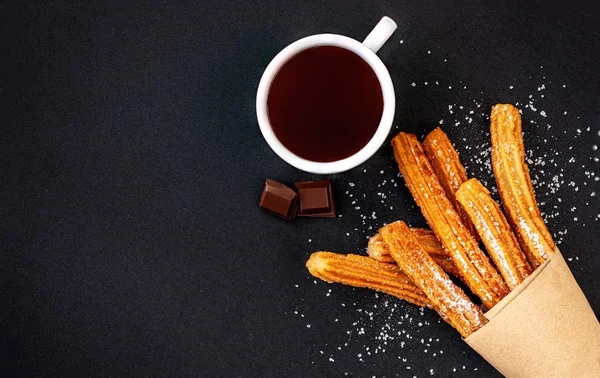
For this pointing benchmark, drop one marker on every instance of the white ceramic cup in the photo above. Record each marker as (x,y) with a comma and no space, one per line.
(366,50)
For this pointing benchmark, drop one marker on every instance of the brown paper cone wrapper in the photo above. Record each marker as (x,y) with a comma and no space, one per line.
(543,328)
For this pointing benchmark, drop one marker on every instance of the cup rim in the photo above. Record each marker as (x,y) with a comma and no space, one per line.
(387,117)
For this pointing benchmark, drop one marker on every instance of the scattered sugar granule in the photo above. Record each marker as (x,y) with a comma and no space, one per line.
(414,84)
(401,41)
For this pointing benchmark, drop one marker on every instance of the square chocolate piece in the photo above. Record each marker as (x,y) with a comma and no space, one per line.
(316,199)
(279,200)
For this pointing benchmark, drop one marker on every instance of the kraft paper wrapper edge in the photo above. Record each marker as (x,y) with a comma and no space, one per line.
(544,328)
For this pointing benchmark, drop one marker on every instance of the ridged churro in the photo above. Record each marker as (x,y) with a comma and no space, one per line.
(474,266)
(446,263)
(452,303)
(363,271)
(495,232)
(429,241)
(448,168)
(514,184)
(378,250)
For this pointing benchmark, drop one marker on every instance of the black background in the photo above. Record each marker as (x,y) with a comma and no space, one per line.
(131,165)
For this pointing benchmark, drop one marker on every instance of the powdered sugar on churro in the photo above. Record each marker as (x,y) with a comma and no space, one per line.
(491,239)
(534,236)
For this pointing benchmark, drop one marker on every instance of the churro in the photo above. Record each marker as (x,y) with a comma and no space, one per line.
(446,263)
(452,303)
(474,266)
(448,168)
(363,271)
(514,184)
(429,241)
(495,232)
(378,250)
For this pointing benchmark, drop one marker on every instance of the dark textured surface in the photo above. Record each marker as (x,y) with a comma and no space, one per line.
(131,165)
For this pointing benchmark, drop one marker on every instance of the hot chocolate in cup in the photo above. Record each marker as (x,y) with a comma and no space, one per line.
(326,103)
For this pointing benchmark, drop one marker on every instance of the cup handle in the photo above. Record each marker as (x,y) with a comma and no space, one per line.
(380,34)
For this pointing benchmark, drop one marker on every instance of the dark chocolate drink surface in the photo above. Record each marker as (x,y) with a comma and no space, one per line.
(325,104)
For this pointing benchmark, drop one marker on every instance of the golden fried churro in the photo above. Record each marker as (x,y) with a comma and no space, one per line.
(447,167)
(452,303)
(446,263)
(363,271)
(514,184)
(495,232)
(429,241)
(378,250)
(474,266)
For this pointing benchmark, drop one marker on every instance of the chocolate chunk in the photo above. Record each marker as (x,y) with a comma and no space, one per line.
(279,200)
(316,199)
